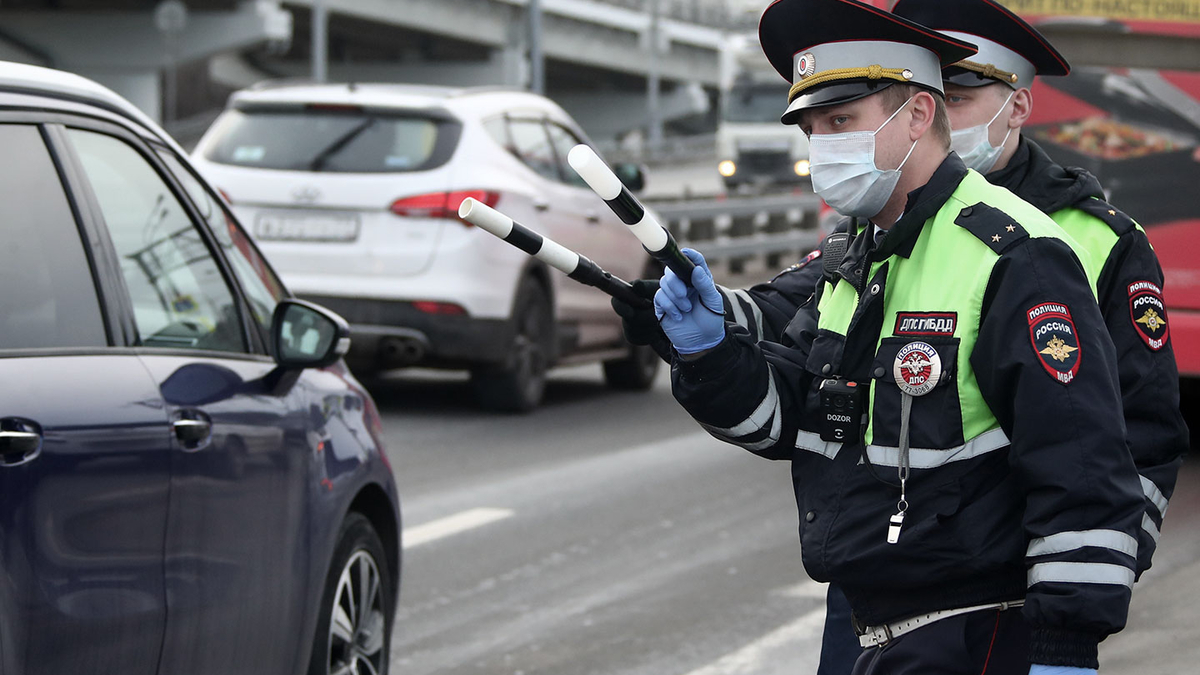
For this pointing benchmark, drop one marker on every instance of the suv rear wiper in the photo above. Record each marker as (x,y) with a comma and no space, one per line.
(342,141)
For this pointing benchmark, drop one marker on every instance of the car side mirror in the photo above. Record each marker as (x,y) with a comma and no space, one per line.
(631,175)
(304,335)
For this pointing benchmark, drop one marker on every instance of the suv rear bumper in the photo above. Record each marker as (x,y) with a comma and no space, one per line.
(393,334)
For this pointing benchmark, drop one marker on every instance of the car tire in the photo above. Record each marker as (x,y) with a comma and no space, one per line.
(518,384)
(635,372)
(366,637)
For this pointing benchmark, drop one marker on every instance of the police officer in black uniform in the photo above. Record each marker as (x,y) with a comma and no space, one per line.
(959,340)
(988,99)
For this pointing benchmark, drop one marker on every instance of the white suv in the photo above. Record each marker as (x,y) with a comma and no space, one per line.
(352,192)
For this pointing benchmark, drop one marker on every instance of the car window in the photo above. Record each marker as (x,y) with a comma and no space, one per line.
(564,140)
(263,288)
(180,298)
(497,128)
(47,294)
(341,139)
(533,147)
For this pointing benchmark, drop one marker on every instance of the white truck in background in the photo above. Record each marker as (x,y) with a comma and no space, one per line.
(753,148)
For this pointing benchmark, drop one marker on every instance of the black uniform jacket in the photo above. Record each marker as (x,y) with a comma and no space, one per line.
(975,528)
(1157,434)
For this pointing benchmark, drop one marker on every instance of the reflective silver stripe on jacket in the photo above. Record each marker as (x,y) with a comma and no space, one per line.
(1081,573)
(1149,526)
(768,411)
(739,314)
(1154,495)
(927,458)
(1070,541)
(807,440)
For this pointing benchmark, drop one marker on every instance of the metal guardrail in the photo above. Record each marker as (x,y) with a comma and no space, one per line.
(672,150)
(744,232)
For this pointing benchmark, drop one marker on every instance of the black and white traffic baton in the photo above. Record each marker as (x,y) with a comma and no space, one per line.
(574,265)
(658,241)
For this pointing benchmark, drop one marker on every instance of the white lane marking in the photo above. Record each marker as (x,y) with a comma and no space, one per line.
(804,589)
(450,525)
(756,656)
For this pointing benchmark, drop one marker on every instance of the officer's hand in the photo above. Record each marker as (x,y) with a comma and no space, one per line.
(693,318)
(1038,669)
(639,324)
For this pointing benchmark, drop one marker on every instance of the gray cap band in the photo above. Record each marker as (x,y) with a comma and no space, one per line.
(921,65)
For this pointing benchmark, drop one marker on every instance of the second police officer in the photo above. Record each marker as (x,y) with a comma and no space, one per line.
(988,100)
(991,471)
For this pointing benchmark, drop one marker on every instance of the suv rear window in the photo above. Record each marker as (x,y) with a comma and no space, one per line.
(333,139)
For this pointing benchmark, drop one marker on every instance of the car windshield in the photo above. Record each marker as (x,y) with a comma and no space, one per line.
(755,103)
(338,140)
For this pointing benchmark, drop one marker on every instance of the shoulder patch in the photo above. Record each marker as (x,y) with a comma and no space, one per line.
(816,253)
(1111,215)
(1055,340)
(992,226)
(1148,313)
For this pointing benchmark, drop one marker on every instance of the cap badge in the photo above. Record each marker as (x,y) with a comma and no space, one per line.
(806,66)
(917,368)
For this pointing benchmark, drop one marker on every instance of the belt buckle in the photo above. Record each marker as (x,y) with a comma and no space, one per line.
(887,635)
(877,636)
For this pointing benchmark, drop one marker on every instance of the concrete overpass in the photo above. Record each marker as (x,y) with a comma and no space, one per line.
(117,42)
(597,52)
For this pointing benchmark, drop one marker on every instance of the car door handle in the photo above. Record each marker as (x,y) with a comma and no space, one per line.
(191,432)
(19,447)
(541,204)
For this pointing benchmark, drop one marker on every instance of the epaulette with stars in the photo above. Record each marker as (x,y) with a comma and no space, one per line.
(992,226)
(1115,218)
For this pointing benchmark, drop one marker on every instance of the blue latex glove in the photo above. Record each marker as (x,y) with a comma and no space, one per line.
(1038,669)
(693,318)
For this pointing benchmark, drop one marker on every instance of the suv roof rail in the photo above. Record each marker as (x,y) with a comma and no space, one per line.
(489,89)
(278,82)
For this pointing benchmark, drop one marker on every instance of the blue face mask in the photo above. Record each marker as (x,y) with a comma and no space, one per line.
(844,172)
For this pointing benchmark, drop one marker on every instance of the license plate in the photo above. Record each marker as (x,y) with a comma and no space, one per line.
(307,226)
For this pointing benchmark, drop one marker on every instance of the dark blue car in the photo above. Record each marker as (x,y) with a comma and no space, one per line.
(190,479)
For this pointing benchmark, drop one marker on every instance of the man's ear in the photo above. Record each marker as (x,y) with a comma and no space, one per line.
(923,110)
(1022,108)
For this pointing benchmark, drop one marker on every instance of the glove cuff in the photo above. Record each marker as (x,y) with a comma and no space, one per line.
(695,349)
(1061,647)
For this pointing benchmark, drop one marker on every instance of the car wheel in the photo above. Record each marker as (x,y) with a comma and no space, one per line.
(518,385)
(355,625)
(635,372)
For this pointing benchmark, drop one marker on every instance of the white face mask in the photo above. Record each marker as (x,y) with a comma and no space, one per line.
(974,145)
(844,172)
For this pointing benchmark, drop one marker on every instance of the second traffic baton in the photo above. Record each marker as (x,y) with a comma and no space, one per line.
(658,242)
(547,250)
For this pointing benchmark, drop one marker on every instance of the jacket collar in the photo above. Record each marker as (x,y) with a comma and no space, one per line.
(1039,180)
(923,203)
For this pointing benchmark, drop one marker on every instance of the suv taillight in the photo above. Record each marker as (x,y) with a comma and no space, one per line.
(440,204)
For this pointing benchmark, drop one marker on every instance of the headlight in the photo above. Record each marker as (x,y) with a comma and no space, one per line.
(727,168)
(801,167)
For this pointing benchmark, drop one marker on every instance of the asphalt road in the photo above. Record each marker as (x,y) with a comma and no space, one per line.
(605,534)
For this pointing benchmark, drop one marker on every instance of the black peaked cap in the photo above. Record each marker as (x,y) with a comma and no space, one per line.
(788,27)
(987,19)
